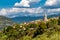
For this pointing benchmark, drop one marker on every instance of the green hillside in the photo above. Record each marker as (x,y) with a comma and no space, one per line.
(37,30)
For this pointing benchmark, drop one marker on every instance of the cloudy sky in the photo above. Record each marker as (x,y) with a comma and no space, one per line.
(14,8)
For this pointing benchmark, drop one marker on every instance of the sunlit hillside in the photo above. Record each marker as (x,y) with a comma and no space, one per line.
(35,30)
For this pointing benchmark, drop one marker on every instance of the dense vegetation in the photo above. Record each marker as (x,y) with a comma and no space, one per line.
(49,30)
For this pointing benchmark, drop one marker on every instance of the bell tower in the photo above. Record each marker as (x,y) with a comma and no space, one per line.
(45,17)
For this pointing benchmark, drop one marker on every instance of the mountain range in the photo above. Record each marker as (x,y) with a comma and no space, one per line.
(4,21)
(21,19)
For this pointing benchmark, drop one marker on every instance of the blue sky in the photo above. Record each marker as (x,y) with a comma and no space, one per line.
(13,8)
(10,3)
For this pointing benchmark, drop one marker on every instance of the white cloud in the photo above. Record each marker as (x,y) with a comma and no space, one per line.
(3,12)
(18,11)
(54,10)
(26,3)
(34,0)
(52,2)
(30,10)
(13,12)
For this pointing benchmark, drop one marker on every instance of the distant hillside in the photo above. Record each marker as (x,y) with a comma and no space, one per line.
(21,19)
(4,21)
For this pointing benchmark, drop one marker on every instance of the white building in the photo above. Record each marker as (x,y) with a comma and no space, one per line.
(45,17)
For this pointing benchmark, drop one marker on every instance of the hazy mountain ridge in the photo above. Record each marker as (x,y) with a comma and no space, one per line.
(4,21)
(21,19)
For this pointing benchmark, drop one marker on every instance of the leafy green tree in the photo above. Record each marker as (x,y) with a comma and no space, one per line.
(42,25)
(59,21)
(32,25)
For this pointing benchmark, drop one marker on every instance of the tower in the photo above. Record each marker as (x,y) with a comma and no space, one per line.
(45,17)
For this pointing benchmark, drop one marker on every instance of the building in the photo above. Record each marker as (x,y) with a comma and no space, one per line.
(45,17)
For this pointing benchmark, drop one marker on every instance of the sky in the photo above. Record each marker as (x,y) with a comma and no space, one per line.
(14,8)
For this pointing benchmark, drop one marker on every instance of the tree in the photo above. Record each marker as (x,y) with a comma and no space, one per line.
(42,25)
(32,25)
(59,21)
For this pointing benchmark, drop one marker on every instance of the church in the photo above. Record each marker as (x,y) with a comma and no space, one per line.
(45,17)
